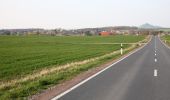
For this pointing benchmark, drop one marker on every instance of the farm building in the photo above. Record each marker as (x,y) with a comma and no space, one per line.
(104,33)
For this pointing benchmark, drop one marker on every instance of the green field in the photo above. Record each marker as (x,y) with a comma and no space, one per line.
(166,37)
(24,55)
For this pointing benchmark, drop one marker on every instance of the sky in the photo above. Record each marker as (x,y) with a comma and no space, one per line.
(71,14)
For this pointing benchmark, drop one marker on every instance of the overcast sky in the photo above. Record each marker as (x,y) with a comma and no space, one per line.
(71,14)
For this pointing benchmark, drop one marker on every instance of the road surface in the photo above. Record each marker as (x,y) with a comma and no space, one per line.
(144,75)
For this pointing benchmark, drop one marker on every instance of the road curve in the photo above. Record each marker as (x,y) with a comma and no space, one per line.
(143,75)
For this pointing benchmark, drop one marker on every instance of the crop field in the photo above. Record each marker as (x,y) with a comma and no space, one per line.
(21,56)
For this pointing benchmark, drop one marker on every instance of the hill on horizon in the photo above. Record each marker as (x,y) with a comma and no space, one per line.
(149,26)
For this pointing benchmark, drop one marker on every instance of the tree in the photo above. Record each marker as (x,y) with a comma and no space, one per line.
(88,33)
(7,33)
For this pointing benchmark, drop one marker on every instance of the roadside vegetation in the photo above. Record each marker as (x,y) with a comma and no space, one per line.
(166,38)
(29,64)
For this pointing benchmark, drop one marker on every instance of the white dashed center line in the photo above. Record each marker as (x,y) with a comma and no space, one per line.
(155,72)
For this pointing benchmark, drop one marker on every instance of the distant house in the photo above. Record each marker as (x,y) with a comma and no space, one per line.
(104,33)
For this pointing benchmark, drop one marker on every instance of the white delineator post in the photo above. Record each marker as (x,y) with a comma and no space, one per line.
(121,50)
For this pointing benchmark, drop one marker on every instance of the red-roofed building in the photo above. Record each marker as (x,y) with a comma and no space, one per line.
(104,33)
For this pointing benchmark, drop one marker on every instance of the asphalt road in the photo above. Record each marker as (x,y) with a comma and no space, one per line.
(144,75)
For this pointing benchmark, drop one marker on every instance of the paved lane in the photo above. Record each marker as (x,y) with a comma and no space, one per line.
(145,75)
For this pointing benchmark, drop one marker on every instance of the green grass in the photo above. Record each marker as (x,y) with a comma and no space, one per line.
(28,88)
(166,37)
(24,55)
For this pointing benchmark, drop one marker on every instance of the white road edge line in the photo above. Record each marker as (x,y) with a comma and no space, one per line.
(156,60)
(79,84)
(155,54)
(155,72)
